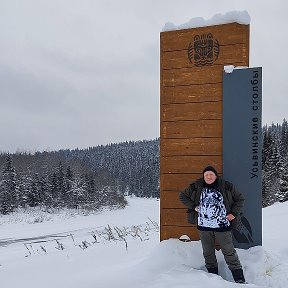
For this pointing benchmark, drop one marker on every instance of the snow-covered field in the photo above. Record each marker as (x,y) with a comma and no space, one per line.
(121,248)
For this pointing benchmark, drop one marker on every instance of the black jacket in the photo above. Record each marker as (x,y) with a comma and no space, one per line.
(232,198)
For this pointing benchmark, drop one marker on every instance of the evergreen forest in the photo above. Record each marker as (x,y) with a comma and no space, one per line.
(87,179)
(102,176)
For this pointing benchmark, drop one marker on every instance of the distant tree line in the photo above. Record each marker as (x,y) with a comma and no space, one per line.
(134,165)
(87,179)
(103,175)
(56,188)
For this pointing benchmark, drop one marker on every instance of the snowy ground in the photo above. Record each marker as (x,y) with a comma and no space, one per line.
(121,248)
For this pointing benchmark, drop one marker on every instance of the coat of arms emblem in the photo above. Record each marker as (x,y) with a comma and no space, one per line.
(204,50)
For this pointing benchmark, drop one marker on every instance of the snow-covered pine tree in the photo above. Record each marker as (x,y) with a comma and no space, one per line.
(267,146)
(34,194)
(53,192)
(283,194)
(23,190)
(60,185)
(8,187)
(267,180)
(68,182)
(284,139)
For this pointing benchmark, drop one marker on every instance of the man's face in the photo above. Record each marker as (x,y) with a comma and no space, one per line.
(209,177)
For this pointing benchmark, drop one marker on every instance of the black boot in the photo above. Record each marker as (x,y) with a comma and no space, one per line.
(213,270)
(238,276)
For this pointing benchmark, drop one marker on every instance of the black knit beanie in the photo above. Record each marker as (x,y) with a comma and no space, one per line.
(210,168)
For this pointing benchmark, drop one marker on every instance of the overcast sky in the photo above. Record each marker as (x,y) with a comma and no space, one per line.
(79,73)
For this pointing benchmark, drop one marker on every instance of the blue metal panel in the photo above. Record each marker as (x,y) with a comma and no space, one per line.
(242,148)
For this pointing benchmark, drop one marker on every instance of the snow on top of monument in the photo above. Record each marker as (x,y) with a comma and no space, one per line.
(241,17)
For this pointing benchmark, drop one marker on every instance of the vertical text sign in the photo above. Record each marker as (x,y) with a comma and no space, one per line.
(242,149)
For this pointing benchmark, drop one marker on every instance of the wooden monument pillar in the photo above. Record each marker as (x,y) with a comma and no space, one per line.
(192,63)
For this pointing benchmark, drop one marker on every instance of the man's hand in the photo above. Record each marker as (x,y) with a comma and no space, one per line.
(230,217)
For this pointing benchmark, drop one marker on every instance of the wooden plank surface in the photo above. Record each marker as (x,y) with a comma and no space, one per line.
(176,182)
(227,34)
(194,75)
(191,116)
(189,164)
(176,232)
(231,54)
(176,217)
(171,200)
(191,93)
(192,111)
(194,146)
(189,129)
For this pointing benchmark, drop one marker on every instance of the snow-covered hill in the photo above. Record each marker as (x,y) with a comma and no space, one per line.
(121,248)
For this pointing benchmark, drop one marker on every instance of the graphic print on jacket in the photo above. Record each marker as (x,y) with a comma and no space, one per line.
(212,211)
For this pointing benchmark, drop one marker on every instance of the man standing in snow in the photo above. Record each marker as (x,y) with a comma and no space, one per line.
(213,204)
